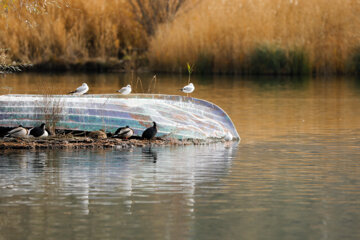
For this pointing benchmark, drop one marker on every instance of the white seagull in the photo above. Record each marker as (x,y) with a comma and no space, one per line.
(125,90)
(80,90)
(188,88)
(19,131)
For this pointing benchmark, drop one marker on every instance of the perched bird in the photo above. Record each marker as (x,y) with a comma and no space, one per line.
(80,90)
(150,132)
(19,131)
(124,132)
(98,134)
(39,131)
(188,88)
(228,137)
(125,90)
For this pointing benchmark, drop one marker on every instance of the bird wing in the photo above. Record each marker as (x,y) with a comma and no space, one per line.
(188,88)
(118,131)
(81,88)
(124,131)
(123,89)
(13,132)
(36,132)
(16,130)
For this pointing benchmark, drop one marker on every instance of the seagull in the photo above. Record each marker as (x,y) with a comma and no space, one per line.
(80,90)
(188,88)
(19,131)
(150,132)
(39,131)
(124,132)
(228,137)
(125,90)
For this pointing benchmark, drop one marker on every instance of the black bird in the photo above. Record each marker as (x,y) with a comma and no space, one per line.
(39,131)
(124,132)
(150,132)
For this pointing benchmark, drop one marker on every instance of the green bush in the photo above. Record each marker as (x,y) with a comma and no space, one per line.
(354,63)
(268,59)
(273,60)
(298,62)
(204,63)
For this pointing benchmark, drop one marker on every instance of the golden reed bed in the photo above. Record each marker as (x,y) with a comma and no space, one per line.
(319,36)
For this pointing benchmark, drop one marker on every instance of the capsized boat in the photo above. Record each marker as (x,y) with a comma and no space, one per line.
(177,117)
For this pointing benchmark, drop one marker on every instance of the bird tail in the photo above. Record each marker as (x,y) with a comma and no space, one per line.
(71,92)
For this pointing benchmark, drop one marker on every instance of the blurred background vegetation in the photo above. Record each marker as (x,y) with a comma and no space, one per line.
(292,37)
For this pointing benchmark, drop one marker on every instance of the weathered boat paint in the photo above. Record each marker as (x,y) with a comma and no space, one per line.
(177,116)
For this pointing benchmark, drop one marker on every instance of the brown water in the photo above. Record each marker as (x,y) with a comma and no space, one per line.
(295,174)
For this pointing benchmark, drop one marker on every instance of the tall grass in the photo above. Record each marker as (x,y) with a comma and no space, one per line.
(68,31)
(224,36)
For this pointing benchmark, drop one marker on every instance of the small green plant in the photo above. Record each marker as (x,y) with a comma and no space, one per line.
(152,84)
(190,69)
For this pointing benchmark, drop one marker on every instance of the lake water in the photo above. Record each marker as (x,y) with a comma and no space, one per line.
(295,174)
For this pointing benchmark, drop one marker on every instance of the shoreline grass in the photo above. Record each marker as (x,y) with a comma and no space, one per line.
(316,36)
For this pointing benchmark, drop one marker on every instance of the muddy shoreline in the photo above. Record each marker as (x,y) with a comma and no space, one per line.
(89,143)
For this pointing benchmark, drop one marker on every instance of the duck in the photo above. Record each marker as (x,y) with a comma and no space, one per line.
(38,131)
(84,88)
(188,88)
(19,131)
(150,132)
(125,90)
(124,132)
(101,134)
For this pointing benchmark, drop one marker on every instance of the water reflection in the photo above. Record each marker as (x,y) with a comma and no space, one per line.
(150,183)
(295,174)
(150,153)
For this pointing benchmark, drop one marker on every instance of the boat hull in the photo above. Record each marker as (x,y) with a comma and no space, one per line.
(176,116)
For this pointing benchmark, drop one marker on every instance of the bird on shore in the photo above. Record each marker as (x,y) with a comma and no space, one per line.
(19,131)
(124,132)
(84,88)
(188,88)
(228,137)
(125,90)
(39,131)
(101,134)
(150,132)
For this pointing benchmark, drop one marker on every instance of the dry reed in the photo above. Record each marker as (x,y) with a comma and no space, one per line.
(70,31)
(222,36)
(218,36)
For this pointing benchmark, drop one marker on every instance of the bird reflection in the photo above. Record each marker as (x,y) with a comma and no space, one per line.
(39,160)
(150,154)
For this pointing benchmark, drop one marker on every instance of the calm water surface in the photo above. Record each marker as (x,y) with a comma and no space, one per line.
(295,174)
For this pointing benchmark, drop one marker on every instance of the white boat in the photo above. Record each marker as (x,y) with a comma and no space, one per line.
(177,117)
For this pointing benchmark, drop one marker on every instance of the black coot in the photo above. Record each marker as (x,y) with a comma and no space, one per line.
(150,132)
